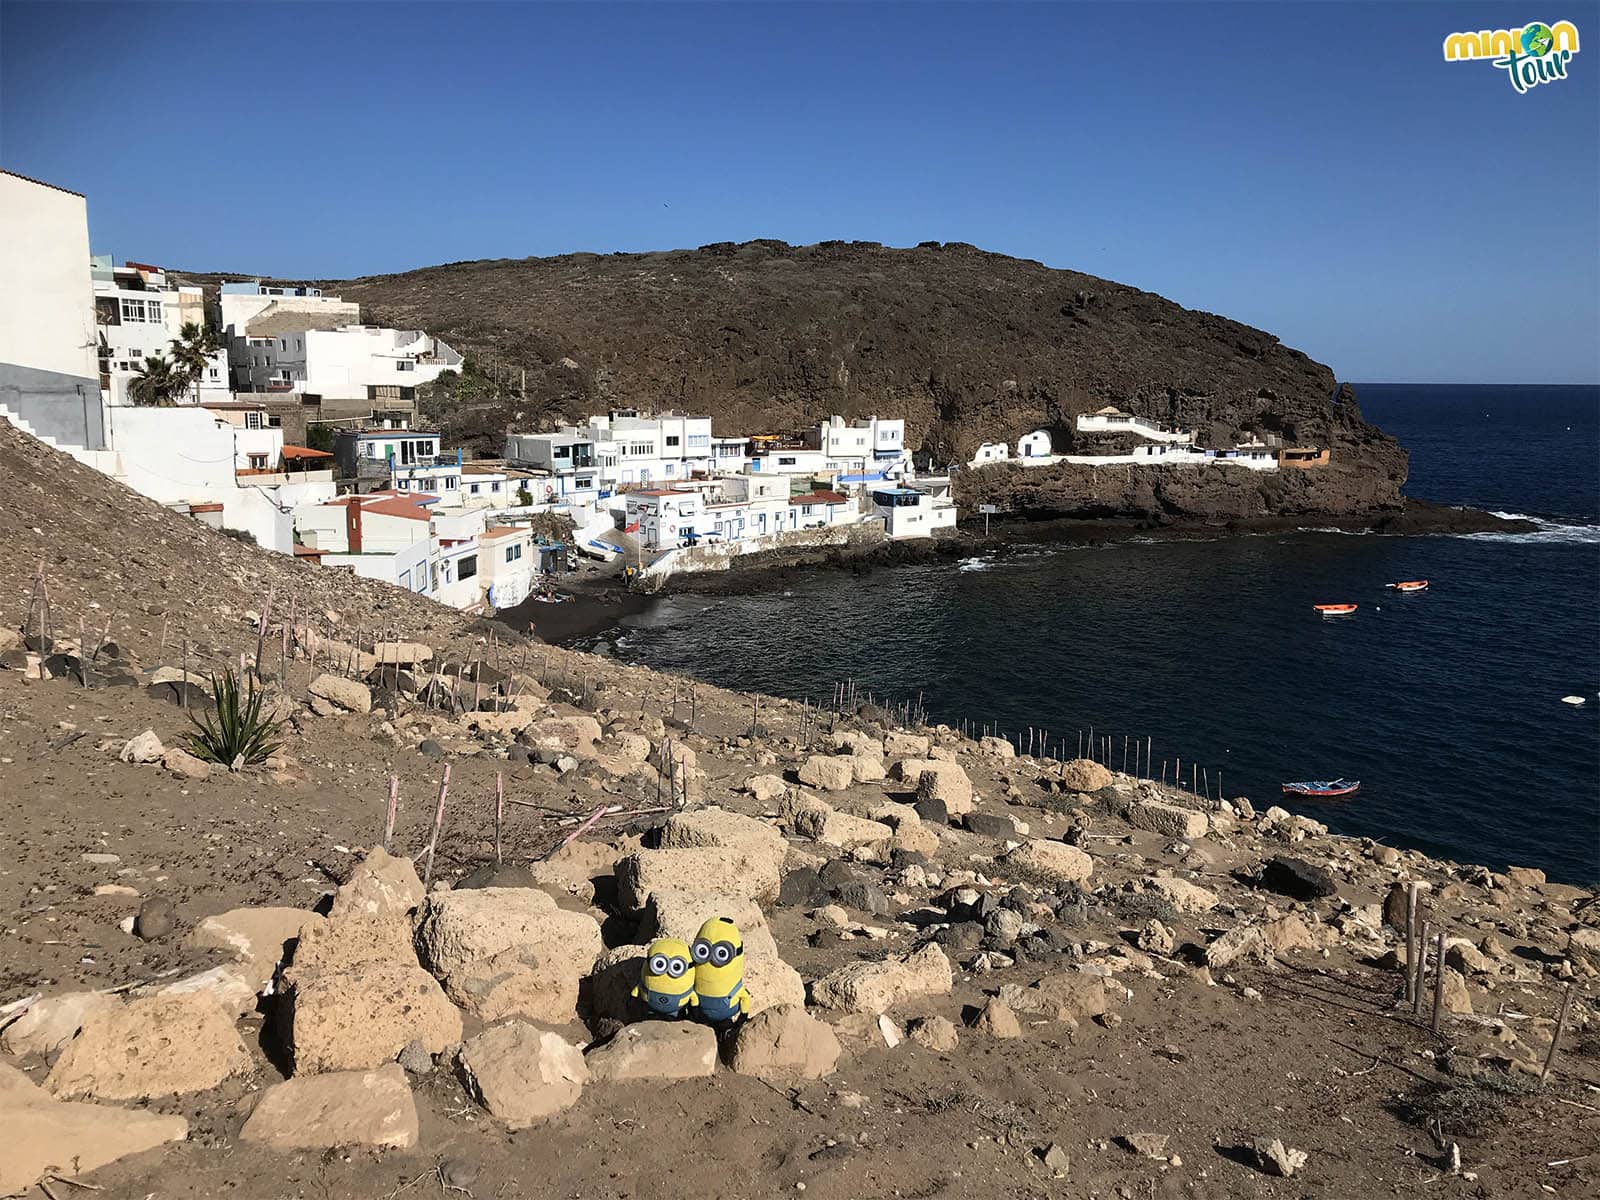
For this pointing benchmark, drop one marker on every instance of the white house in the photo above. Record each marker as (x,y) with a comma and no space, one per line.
(990,452)
(49,374)
(915,507)
(386,448)
(856,446)
(287,352)
(565,465)
(632,449)
(1113,420)
(378,536)
(772,456)
(1034,445)
(665,517)
(140,314)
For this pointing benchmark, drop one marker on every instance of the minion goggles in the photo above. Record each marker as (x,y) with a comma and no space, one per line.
(718,954)
(673,967)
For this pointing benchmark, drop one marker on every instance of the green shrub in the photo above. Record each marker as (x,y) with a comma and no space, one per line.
(241,735)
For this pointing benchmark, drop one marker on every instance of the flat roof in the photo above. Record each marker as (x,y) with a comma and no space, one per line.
(55,187)
(499,531)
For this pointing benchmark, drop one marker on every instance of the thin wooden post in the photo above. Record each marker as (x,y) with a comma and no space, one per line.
(1555,1037)
(183,687)
(1422,968)
(1124,754)
(1147,755)
(499,813)
(1438,982)
(394,807)
(438,822)
(1413,890)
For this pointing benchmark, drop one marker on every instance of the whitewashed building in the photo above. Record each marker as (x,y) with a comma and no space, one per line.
(1034,445)
(139,314)
(854,447)
(1113,420)
(566,469)
(662,518)
(915,508)
(990,452)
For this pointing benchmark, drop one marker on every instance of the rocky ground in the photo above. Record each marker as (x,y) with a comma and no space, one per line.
(974,974)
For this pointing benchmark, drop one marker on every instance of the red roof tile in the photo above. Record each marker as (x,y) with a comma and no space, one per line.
(397,508)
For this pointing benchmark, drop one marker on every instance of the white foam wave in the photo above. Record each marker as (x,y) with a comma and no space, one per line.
(1548,533)
(974,564)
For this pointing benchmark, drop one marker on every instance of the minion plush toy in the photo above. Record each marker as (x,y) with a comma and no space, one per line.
(719,989)
(667,983)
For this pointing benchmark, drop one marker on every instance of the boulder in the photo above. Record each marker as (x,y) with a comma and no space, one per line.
(872,987)
(1065,996)
(342,1108)
(766,788)
(150,1046)
(522,1074)
(508,952)
(156,918)
(42,1137)
(142,748)
(350,942)
(255,938)
(52,1021)
(1000,826)
(830,772)
(717,828)
(867,768)
(576,734)
(185,765)
(1287,935)
(997,1020)
(1049,862)
(403,654)
(834,828)
(347,694)
(381,883)
(360,1019)
(504,724)
(1184,896)
(1456,999)
(783,1042)
(906,745)
(1084,775)
(857,744)
(938,1034)
(229,985)
(656,1050)
(938,779)
(1169,820)
(1297,878)
(699,869)
(1236,945)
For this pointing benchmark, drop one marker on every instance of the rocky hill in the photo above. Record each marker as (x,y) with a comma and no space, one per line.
(968,346)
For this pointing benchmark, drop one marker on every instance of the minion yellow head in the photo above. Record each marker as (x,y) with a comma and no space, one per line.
(718,952)
(668,967)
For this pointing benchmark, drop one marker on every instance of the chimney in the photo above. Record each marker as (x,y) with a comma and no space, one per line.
(352,526)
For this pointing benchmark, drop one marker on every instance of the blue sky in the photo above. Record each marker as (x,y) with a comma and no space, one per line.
(1315,169)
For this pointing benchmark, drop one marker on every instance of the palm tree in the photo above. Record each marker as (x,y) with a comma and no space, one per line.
(156,383)
(191,353)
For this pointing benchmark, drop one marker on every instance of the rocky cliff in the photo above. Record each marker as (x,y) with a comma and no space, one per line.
(968,346)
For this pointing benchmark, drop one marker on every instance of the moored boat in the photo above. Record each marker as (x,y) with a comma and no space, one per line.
(1410,585)
(1322,787)
(1335,610)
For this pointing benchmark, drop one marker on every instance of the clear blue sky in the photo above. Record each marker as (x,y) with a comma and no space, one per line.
(1316,169)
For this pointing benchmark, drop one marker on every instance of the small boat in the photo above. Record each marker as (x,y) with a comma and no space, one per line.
(1572,700)
(1322,787)
(1335,610)
(1410,585)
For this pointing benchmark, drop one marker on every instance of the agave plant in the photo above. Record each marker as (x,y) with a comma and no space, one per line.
(241,735)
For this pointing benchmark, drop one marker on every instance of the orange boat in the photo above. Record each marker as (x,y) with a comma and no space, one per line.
(1335,610)
(1410,585)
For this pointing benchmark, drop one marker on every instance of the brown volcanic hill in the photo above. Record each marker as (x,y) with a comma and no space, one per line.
(968,346)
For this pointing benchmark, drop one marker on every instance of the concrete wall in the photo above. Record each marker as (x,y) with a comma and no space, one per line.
(64,408)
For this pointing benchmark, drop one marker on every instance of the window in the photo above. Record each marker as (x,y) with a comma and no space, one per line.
(473,488)
(258,462)
(467,567)
(283,343)
(405,580)
(583,481)
(405,364)
(514,552)
(274,422)
(494,487)
(700,439)
(672,439)
(152,311)
(252,420)
(786,462)
(132,310)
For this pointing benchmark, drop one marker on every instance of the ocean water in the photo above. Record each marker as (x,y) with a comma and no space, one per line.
(1445,704)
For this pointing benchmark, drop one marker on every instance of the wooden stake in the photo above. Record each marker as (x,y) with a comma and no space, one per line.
(438,823)
(499,814)
(1422,969)
(1438,982)
(1555,1038)
(1412,891)
(394,807)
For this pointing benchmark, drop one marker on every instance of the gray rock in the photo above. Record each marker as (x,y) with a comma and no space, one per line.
(156,919)
(1297,878)
(430,748)
(415,1058)
(1056,1159)
(457,1172)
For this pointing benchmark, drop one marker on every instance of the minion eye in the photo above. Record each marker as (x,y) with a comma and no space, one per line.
(702,952)
(658,965)
(676,967)
(721,956)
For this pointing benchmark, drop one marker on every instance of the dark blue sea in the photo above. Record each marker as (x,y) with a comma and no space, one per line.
(1446,704)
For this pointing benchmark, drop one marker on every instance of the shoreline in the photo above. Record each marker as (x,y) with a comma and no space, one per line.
(601,603)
